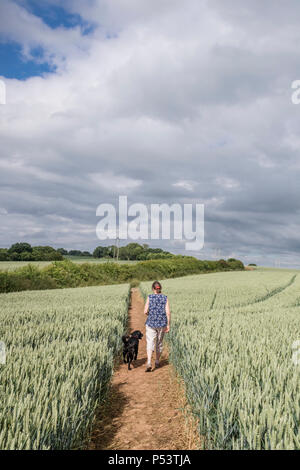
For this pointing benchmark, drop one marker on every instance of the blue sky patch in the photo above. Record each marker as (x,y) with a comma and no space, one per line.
(56,16)
(12,62)
(13,65)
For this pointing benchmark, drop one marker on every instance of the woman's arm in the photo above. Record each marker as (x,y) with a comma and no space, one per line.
(168,316)
(146,306)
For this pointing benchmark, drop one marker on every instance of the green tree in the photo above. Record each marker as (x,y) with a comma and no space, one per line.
(62,251)
(4,256)
(134,250)
(46,253)
(75,253)
(235,264)
(20,248)
(86,253)
(26,256)
(101,252)
(15,256)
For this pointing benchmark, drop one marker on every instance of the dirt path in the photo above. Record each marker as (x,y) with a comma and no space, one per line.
(145,410)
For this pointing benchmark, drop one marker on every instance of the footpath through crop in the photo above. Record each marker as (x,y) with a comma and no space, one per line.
(143,410)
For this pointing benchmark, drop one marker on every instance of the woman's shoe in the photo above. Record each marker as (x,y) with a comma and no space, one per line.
(157,365)
(148,369)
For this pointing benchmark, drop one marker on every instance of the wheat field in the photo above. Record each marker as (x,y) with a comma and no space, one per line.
(231,340)
(60,348)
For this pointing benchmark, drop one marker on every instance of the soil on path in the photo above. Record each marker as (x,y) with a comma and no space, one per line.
(144,411)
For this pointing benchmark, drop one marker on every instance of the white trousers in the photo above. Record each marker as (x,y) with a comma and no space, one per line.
(154,337)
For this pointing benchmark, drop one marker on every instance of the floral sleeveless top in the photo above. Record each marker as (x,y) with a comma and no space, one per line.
(157,317)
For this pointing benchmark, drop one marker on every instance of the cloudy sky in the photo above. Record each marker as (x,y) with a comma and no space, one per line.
(163,101)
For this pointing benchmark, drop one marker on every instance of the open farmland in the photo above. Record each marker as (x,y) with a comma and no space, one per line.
(60,347)
(231,341)
(12,265)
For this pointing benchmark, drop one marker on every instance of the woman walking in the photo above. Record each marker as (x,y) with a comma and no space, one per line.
(158,322)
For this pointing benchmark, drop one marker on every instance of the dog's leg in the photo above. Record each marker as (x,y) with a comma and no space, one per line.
(129,360)
(124,354)
(136,350)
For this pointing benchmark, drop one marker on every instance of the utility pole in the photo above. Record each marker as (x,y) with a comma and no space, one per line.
(118,248)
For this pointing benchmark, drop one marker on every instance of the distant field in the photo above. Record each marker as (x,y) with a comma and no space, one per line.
(12,265)
(262,268)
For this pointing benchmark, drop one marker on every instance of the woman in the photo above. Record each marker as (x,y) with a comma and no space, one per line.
(158,322)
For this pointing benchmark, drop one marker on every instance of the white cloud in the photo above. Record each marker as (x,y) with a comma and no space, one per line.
(184,96)
(227,183)
(188,185)
(116,183)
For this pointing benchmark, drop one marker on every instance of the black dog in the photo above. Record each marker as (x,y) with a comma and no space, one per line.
(131,347)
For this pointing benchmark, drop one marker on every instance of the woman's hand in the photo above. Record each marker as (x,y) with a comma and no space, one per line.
(146,307)
(168,316)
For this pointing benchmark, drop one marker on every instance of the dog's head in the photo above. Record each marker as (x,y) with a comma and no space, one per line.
(125,338)
(137,334)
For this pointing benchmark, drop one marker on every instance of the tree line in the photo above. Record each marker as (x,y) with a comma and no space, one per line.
(130,252)
(26,252)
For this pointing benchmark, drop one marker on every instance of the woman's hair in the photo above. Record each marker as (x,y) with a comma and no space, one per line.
(156,286)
